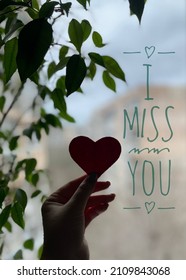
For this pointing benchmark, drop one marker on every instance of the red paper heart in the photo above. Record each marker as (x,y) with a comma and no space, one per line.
(94,156)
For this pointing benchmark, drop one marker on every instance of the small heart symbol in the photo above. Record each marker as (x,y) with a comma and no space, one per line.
(149,51)
(149,206)
(94,156)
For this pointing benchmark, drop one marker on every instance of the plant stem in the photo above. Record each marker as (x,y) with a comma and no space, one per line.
(11,105)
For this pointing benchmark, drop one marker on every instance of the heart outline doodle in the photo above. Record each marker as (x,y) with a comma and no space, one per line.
(150,51)
(149,206)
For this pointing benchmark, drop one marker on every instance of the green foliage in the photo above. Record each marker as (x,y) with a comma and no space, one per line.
(4,216)
(47,9)
(97,39)
(86,29)
(75,32)
(84,3)
(75,73)
(34,41)
(2,102)
(112,69)
(32,54)
(137,8)
(18,255)
(13,143)
(29,244)
(9,61)
(3,193)
(17,214)
(109,81)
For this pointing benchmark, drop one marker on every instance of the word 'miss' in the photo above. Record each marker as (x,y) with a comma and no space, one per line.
(137,123)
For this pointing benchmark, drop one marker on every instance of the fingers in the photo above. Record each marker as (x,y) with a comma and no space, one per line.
(83,192)
(97,205)
(63,194)
(100,199)
(94,211)
(100,186)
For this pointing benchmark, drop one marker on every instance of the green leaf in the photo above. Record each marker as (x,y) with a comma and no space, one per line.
(30,166)
(18,255)
(6,3)
(67,117)
(75,32)
(87,28)
(109,81)
(75,73)
(8,226)
(92,70)
(66,7)
(3,135)
(59,100)
(1,41)
(17,214)
(63,52)
(36,193)
(47,9)
(113,67)
(32,13)
(29,244)
(35,78)
(52,120)
(13,26)
(34,41)
(137,8)
(3,194)
(13,143)
(4,216)
(35,177)
(83,3)
(51,69)
(9,62)
(35,5)
(39,252)
(97,58)
(62,64)
(28,132)
(21,197)
(20,165)
(4,180)
(61,83)
(2,102)
(43,91)
(97,39)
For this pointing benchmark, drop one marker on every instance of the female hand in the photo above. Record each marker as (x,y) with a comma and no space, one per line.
(66,214)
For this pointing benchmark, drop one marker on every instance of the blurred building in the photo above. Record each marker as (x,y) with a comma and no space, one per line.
(157,229)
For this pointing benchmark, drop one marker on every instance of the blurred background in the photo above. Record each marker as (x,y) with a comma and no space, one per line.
(120,233)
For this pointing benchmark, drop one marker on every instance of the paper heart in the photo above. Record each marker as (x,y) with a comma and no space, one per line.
(94,156)
(149,51)
(149,206)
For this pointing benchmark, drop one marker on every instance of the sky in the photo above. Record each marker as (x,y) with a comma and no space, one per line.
(163,29)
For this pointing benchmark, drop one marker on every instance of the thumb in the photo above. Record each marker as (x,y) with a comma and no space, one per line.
(83,192)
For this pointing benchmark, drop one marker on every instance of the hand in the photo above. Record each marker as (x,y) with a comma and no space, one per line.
(66,214)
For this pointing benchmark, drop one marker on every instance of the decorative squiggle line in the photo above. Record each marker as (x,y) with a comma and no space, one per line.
(153,150)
